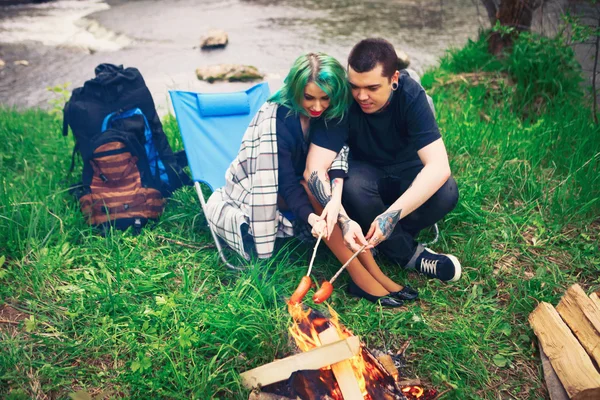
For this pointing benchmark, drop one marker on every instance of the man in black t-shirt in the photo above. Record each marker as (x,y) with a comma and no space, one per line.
(399,179)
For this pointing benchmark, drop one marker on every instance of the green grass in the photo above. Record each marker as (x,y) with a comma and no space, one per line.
(140,317)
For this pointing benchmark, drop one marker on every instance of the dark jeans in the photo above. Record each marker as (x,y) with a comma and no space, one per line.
(369,190)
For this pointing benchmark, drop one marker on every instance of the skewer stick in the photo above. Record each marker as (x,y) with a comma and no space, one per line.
(347,263)
(312,260)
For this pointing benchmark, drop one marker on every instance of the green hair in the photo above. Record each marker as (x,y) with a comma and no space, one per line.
(327,73)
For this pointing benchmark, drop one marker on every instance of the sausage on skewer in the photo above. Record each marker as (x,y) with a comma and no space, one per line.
(305,283)
(327,286)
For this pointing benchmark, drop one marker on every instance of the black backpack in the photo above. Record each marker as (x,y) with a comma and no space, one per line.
(128,164)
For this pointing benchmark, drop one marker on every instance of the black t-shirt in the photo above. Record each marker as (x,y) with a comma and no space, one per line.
(292,151)
(393,135)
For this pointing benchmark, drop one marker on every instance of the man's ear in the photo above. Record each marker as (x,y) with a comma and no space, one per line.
(396,76)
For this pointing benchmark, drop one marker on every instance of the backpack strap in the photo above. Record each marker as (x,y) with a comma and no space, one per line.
(66,119)
(72,167)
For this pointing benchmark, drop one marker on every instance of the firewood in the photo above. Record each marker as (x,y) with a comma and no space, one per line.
(568,358)
(583,317)
(595,298)
(343,372)
(555,388)
(317,358)
(409,382)
(266,396)
(388,363)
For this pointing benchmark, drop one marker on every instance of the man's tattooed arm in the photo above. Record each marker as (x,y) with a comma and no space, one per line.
(318,189)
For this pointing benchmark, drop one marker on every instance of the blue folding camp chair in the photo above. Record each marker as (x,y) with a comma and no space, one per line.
(212,126)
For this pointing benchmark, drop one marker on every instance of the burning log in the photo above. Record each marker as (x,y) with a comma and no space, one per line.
(361,376)
(279,370)
(388,364)
(583,317)
(266,396)
(568,358)
(343,372)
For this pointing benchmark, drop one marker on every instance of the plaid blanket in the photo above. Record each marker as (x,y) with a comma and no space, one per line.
(250,192)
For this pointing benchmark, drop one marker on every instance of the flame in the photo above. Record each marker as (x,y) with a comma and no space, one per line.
(305,331)
(307,327)
(414,391)
(368,371)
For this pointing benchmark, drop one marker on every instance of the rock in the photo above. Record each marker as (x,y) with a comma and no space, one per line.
(2,63)
(24,63)
(228,72)
(403,59)
(214,39)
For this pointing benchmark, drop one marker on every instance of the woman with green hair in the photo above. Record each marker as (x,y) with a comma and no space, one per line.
(293,159)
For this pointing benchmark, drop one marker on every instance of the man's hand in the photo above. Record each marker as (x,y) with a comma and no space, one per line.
(330,215)
(382,227)
(353,236)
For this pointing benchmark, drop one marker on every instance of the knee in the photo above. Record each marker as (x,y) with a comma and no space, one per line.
(357,189)
(447,196)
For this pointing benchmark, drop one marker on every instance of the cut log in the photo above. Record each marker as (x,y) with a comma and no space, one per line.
(388,364)
(583,317)
(266,396)
(343,372)
(555,388)
(568,358)
(595,298)
(320,357)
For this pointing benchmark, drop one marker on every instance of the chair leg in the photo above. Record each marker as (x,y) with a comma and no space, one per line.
(214,235)
(435,239)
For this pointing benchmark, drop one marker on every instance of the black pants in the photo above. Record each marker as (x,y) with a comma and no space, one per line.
(370,190)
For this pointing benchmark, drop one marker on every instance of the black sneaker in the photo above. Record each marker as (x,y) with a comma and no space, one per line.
(444,267)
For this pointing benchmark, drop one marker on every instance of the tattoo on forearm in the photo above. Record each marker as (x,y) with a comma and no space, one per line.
(317,188)
(387,222)
(334,183)
(344,223)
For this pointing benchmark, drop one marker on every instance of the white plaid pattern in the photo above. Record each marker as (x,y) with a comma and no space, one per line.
(250,192)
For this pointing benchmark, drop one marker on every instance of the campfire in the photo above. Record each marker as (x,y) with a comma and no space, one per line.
(332,364)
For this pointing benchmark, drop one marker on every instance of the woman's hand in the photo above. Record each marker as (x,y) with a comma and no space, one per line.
(330,215)
(319,225)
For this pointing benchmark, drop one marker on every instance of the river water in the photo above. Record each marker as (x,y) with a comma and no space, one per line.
(64,40)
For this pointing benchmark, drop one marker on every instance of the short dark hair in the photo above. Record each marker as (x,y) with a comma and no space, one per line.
(367,53)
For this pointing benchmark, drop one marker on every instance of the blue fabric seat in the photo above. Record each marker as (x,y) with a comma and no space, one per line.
(212,126)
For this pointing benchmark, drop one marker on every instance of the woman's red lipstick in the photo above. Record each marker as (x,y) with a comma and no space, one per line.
(315,113)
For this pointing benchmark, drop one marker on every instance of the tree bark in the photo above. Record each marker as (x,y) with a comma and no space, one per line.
(492,9)
(517,14)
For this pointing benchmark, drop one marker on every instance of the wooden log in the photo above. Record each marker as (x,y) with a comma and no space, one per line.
(409,382)
(568,358)
(343,372)
(388,363)
(595,298)
(266,396)
(583,317)
(555,388)
(317,358)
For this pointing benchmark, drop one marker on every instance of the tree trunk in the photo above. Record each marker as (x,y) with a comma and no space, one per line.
(515,14)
